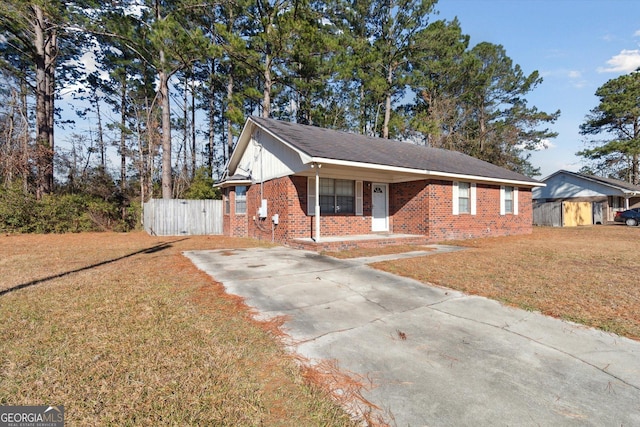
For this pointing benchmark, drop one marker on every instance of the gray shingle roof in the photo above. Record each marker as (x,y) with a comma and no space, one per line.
(607,181)
(615,182)
(337,145)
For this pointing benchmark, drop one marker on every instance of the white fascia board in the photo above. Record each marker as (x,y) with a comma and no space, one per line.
(486,179)
(241,146)
(232,183)
(358,165)
(434,174)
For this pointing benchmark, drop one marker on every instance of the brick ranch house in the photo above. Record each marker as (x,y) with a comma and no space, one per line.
(314,188)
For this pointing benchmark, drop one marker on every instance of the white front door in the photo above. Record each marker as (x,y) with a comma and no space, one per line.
(379,208)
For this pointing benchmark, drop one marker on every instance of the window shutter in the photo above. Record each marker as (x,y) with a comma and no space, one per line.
(454,201)
(358,197)
(515,200)
(311,196)
(502,207)
(473,198)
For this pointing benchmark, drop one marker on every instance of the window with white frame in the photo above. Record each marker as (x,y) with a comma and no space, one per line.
(336,196)
(464,198)
(508,200)
(227,204)
(241,199)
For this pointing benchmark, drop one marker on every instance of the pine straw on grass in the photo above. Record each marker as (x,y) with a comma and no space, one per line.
(121,329)
(588,275)
(385,250)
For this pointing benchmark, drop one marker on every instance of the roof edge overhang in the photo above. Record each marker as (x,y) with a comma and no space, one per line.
(424,172)
(232,183)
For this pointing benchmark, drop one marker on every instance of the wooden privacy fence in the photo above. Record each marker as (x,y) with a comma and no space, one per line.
(549,214)
(179,217)
(569,214)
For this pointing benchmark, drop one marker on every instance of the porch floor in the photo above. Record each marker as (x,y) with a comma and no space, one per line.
(341,243)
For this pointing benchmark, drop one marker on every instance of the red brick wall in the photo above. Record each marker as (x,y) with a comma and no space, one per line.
(420,207)
(425,207)
(409,207)
(487,221)
(281,200)
(233,224)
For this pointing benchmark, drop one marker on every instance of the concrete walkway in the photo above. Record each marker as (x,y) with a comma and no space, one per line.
(437,357)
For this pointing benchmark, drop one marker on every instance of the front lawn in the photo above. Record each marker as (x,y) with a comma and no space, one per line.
(589,275)
(122,329)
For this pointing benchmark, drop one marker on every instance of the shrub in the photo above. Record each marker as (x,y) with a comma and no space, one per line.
(63,213)
(16,209)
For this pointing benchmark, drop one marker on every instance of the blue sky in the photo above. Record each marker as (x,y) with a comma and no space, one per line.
(576,45)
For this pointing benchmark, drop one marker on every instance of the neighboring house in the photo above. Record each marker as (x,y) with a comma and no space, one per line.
(571,198)
(305,186)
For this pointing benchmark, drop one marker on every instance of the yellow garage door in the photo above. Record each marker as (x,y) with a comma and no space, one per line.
(576,213)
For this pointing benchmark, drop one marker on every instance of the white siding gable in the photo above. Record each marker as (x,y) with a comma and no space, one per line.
(266,158)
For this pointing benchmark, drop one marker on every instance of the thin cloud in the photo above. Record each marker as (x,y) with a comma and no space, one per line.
(636,34)
(624,62)
(576,79)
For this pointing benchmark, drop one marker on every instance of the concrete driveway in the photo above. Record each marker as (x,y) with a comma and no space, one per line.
(437,357)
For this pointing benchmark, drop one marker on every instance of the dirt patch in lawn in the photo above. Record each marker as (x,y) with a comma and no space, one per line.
(588,274)
(122,329)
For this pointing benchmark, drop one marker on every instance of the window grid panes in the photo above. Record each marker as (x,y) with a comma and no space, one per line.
(508,199)
(337,196)
(241,199)
(464,197)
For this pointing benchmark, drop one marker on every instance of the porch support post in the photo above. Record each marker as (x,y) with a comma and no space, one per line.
(317,202)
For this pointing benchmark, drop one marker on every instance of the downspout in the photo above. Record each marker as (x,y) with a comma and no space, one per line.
(317,202)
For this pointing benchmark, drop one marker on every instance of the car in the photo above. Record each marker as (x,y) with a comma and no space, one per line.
(629,217)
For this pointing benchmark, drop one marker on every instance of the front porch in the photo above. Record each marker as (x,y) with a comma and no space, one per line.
(344,243)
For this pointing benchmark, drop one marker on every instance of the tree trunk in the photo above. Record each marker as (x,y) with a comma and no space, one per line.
(229,105)
(266,100)
(363,120)
(50,67)
(193,130)
(44,105)
(483,125)
(167,192)
(101,146)
(387,105)
(185,134)
(268,83)
(123,147)
(212,121)
(26,155)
